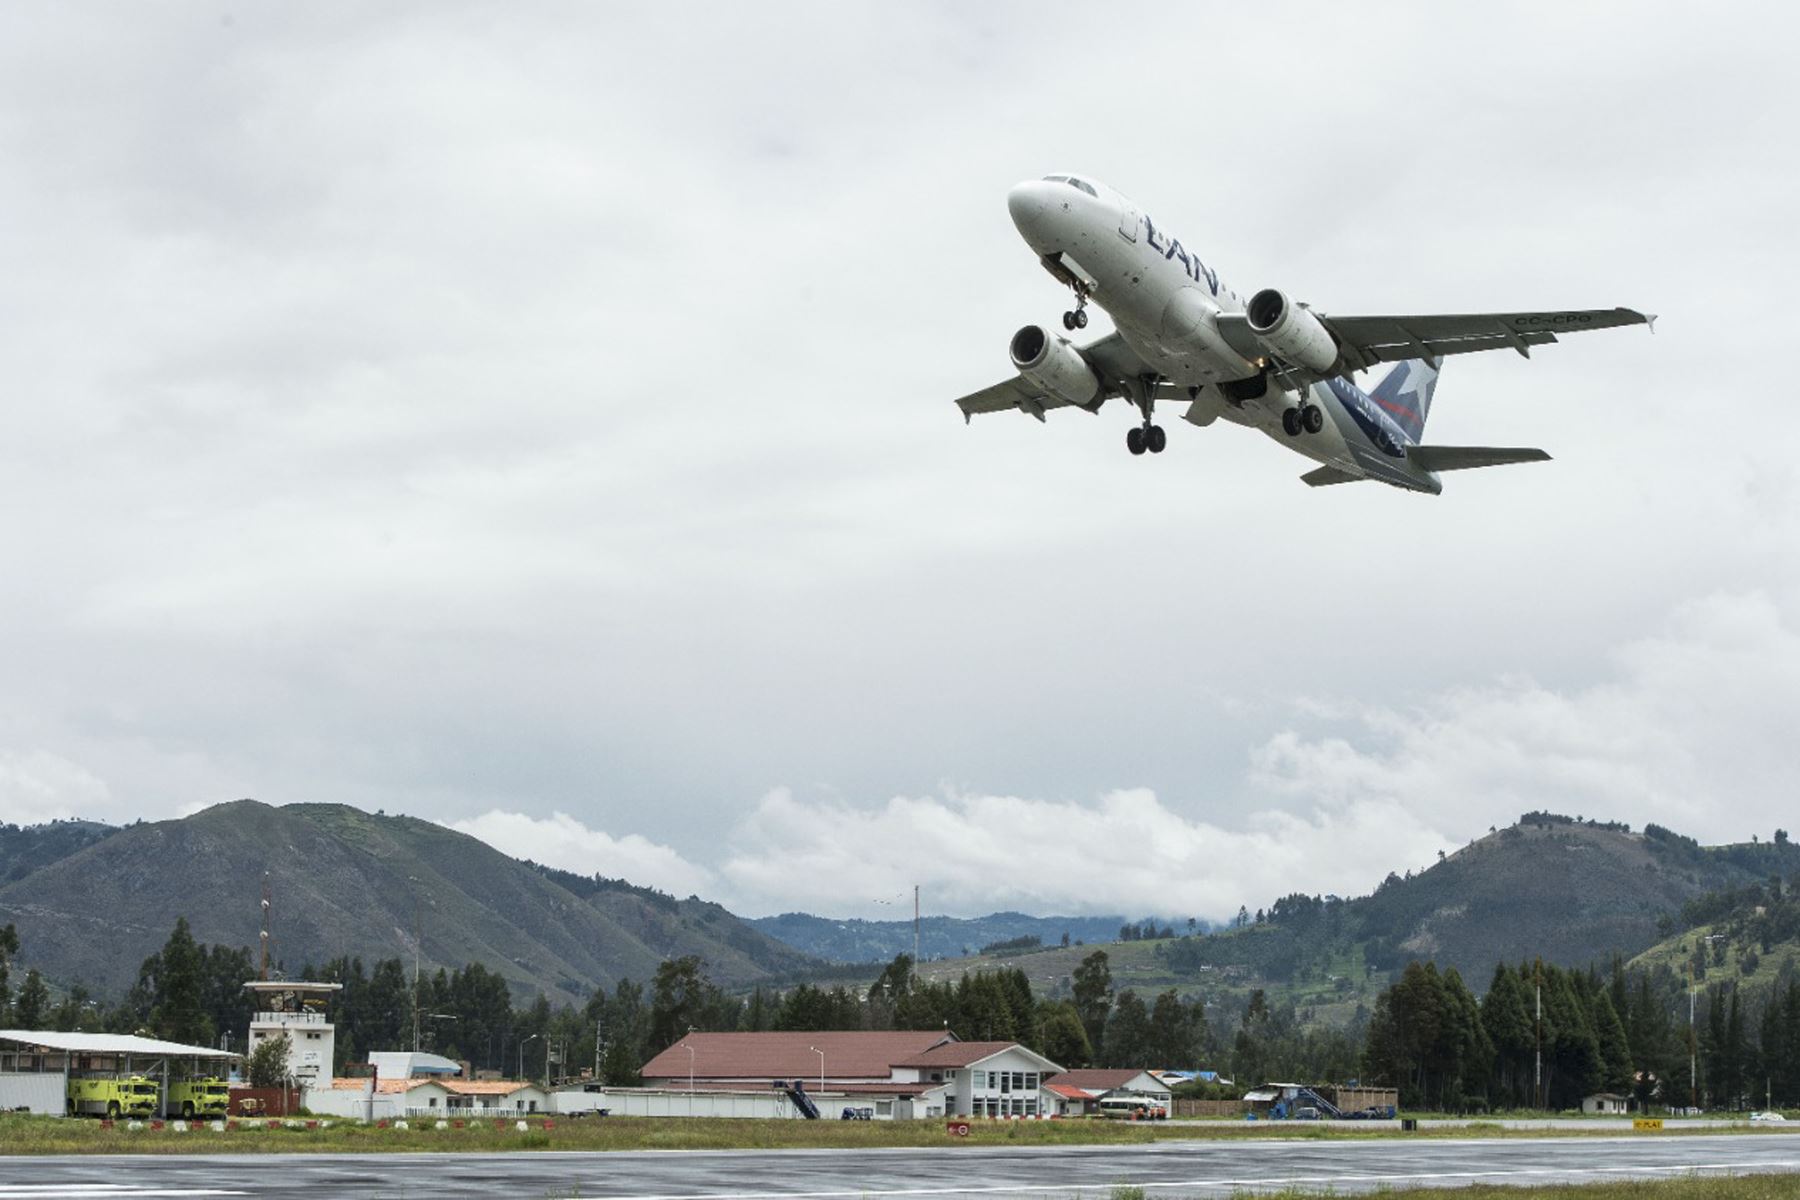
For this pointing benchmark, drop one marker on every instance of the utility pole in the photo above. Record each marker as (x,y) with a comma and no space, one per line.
(1537,1080)
(1693,1048)
(915,926)
(599,1046)
(418,930)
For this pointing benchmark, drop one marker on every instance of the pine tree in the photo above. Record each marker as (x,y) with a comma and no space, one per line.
(33,1003)
(1061,1037)
(1127,1038)
(1507,1021)
(1093,995)
(1615,1048)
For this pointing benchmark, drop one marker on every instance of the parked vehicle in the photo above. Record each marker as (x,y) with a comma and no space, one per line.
(1132,1108)
(112,1096)
(204,1097)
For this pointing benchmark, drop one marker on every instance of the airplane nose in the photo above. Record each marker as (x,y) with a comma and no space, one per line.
(1027,203)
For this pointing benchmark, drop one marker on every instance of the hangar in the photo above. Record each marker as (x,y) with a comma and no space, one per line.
(36,1064)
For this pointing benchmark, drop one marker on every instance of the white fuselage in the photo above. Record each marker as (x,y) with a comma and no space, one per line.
(1165,301)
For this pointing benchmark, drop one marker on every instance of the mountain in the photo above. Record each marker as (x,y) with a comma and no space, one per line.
(1573,892)
(857,941)
(348,882)
(28,848)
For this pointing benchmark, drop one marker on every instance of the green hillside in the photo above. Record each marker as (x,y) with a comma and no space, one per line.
(344,882)
(1572,892)
(1748,936)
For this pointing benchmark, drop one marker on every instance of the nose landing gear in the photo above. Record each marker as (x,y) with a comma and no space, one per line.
(1076,318)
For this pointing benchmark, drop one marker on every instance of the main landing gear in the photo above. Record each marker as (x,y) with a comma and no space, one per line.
(1307,417)
(1149,436)
(1140,438)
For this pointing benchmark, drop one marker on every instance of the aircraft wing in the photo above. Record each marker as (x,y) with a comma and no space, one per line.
(1110,357)
(1365,341)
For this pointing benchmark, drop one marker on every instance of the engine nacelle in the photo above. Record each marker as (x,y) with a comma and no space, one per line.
(1050,363)
(1290,331)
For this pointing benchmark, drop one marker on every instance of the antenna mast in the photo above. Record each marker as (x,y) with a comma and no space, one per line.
(262,972)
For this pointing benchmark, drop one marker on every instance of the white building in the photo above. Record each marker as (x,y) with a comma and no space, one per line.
(1605,1104)
(296,1009)
(981,1079)
(1091,1091)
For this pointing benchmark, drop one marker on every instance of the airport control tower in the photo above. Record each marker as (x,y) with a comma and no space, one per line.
(296,1008)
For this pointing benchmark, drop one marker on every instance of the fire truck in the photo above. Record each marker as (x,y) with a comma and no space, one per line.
(205,1097)
(112,1096)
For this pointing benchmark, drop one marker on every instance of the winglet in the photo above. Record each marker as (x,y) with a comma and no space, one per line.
(1650,320)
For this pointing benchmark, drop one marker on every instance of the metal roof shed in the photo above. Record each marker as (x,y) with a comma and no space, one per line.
(35,1063)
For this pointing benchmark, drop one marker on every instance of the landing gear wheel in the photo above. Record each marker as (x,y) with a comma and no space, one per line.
(1155,439)
(1080,318)
(1069,321)
(1290,422)
(1313,418)
(1134,440)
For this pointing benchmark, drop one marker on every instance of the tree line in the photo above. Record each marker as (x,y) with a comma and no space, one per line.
(1545,1037)
(1539,1036)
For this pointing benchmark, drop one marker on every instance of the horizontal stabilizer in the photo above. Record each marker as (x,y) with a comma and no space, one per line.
(1463,458)
(1326,476)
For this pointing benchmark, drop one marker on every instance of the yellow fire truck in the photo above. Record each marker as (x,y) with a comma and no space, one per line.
(112,1096)
(208,1097)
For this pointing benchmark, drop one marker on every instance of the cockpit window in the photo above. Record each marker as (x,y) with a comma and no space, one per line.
(1074,183)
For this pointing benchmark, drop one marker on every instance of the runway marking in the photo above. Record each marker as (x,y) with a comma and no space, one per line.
(100,1191)
(1039,1189)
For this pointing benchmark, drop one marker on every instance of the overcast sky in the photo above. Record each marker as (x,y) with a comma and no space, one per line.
(538,418)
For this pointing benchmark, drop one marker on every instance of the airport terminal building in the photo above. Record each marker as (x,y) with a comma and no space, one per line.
(900,1075)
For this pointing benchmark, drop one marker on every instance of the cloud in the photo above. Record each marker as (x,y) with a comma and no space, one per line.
(1691,730)
(560,840)
(1125,851)
(37,786)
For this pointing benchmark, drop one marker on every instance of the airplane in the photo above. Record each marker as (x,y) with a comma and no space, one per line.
(1264,361)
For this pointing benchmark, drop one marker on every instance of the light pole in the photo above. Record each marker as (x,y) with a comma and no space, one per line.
(522,1043)
(821,1055)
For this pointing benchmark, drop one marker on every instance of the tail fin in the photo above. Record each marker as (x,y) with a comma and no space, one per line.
(1405,394)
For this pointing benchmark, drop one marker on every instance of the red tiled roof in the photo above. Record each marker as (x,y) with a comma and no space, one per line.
(1069,1091)
(1099,1079)
(955,1054)
(782,1055)
(483,1087)
(833,1087)
(388,1087)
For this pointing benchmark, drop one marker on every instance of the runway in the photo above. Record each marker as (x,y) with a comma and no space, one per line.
(1166,1170)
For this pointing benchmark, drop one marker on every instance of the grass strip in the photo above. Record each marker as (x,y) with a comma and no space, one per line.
(28,1135)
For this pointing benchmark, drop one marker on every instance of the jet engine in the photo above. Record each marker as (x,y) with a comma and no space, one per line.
(1052,364)
(1290,331)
